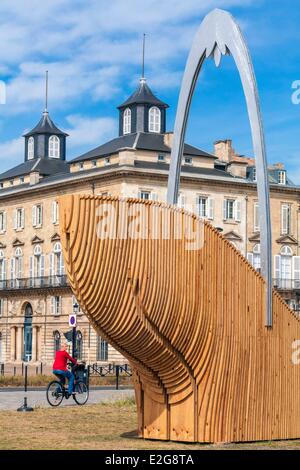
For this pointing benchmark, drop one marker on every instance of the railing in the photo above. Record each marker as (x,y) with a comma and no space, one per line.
(287,284)
(34,282)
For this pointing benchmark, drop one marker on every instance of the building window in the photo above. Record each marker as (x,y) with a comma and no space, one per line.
(22,179)
(255,217)
(1,307)
(205,207)
(57,267)
(281,177)
(54,212)
(102,349)
(232,210)
(285,219)
(81,166)
(2,222)
(37,215)
(181,201)
(37,263)
(56,305)
(16,267)
(54,144)
(56,338)
(2,268)
(254,173)
(127,121)
(161,158)
(256,257)
(188,160)
(286,268)
(30,148)
(94,163)
(154,119)
(79,345)
(145,195)
(11,182)
(19,219)
(107,161)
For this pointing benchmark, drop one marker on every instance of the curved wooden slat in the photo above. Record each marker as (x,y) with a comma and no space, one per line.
(191,323)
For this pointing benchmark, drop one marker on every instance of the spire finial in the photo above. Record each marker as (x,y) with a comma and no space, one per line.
(143,61)
(46,101)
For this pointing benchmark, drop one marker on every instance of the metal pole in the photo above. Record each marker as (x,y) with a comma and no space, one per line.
(24,407)
(117,377)
(74,341)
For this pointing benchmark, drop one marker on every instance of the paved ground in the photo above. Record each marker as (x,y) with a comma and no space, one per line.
(11,400)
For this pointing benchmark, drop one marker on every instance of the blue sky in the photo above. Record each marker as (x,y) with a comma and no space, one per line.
(93,53)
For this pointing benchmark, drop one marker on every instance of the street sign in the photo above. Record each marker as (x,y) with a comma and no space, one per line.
(72,320)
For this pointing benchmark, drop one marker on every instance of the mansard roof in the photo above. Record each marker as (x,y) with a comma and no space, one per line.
(45,166)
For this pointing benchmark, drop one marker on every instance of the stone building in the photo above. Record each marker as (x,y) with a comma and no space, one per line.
(35,298)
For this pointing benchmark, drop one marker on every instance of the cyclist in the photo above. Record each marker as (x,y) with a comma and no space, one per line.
(60,366)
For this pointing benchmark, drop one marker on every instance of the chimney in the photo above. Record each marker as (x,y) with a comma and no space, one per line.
(224,150)
(34,178)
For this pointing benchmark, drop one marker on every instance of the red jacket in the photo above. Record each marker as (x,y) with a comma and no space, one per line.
(61,360)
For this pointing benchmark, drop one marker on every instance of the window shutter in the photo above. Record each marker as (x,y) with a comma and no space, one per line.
(15,219)
(237,211)
(284,219)
(277,267)
(12,268)
(296,271)
(256,218)
(52,305)
(34,210)
(22,218)
(54,212)
(31,267)
(250,258)
(61,265)
(154,196)
(3,270)
(225,209)
(140,195)
(210,202)
(181,201)
(52,264)
(20,266)
(41,209)
(4,221)
(42,273)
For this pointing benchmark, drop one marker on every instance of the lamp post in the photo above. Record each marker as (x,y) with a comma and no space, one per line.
(75,311)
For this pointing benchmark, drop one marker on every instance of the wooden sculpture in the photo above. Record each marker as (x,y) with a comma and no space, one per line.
(190,321)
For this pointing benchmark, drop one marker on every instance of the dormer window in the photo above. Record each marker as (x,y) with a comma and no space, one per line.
(30,148)
(254,174)
(107,161)
(188,160)
(281,177)
(54,147)
(154,119)
(127,121)
(161,158)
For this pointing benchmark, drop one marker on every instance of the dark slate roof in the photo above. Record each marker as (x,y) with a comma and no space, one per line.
(45,126)
(140,141)
(143,95)
(45,166)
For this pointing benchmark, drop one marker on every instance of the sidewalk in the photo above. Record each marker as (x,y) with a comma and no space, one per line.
(11,400)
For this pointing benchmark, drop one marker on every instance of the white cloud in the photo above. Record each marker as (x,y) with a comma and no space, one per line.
(88,131)
(11,151)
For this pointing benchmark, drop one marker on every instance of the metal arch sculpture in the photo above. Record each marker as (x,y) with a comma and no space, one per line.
(218,35)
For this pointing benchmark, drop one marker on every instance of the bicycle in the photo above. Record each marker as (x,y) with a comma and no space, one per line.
(56,390)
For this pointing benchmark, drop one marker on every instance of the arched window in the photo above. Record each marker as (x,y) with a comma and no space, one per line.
(30,148)
(56,338)
(37,266)
(154,119)
(54,144)
(79,345)
(286,251)
(127,121)
(57,267)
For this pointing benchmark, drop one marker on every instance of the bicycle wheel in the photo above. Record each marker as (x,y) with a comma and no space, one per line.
(81,393)
(55,393)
